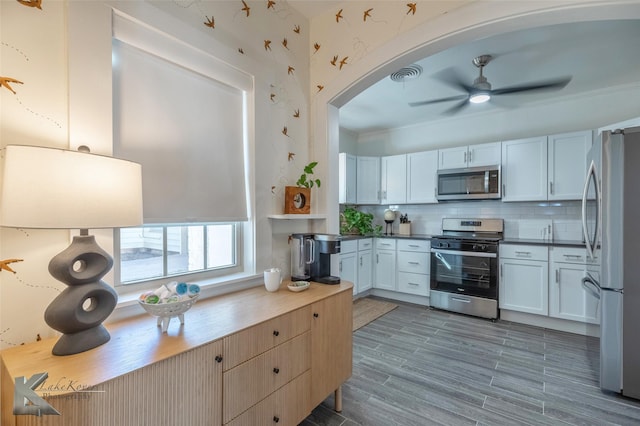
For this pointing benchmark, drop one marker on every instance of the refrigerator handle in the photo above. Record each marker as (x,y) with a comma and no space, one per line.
(591,244)
(591,287)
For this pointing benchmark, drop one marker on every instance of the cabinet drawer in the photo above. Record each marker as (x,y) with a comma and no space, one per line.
(246,344)
(414,245)
(514,251)
(385,243)
(413,262)
(348,246)
(250,382)
(572,255)
(413,283)
(365,244)
(288,405)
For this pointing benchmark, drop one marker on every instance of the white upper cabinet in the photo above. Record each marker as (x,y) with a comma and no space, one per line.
(567,164)
(368,180)
(486,154)
(422,170)
(524,169)
(393,179)
(347,178)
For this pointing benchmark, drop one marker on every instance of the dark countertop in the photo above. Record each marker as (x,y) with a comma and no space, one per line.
(554,243)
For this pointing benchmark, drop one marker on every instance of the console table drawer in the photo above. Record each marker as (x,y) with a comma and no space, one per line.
(246,344)
(250,382)
(285,406)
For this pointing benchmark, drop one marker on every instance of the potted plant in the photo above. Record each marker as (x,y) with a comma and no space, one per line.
(353,221)
(297,199)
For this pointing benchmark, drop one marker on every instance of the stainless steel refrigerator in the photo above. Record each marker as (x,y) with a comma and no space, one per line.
(611,225)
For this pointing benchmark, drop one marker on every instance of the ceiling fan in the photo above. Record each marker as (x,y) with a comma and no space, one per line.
(480,91)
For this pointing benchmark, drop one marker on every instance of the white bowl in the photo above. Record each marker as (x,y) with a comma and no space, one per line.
(299,285)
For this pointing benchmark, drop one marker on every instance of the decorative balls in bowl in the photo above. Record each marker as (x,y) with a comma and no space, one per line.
(168,301)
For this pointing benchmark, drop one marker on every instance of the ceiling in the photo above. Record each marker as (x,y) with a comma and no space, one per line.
(596,55)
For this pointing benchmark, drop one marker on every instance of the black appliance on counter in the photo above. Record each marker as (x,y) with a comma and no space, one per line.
(464,266)
(320,268)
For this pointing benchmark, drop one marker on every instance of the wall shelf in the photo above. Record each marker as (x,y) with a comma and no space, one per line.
(297,216)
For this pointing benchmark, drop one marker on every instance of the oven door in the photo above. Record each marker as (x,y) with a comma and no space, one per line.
(465,272)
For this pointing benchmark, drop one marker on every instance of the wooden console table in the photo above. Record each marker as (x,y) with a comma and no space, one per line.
(245,358)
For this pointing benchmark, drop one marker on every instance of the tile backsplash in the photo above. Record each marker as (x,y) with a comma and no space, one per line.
(528,220)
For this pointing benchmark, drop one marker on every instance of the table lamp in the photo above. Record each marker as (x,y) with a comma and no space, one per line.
(50,188)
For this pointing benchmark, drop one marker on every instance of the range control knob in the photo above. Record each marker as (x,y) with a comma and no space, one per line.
(480,247)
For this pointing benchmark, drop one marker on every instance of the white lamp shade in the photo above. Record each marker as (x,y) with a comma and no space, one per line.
(62,189)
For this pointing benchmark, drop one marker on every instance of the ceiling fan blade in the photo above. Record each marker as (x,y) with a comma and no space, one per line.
(437,101)
(457,107)
(450,77)
(539,86)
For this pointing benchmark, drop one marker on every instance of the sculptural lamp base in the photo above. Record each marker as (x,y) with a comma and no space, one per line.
(78,312)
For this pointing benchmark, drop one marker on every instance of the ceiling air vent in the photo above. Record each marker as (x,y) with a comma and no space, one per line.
(407,73)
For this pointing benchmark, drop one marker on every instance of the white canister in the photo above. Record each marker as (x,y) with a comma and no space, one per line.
(272,279)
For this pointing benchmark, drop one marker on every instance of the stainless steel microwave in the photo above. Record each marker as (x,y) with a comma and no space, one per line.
(473,183)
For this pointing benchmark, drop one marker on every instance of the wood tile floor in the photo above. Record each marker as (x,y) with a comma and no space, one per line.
(416,366)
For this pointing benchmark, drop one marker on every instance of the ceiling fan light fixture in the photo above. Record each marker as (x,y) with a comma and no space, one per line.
(479,97)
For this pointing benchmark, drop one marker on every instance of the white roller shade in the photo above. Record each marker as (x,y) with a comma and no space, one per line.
(187,131)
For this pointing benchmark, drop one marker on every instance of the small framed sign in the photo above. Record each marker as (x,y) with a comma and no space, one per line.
(297,200)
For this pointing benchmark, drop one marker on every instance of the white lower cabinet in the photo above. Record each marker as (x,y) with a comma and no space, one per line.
(356,258)
(524,276)
(413,261)
(349,263)
(385,264)
(567,298)
(365,264)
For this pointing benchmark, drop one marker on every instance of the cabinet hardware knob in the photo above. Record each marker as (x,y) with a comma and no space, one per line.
(276,419)
(315,315)
(218,358)
(276,333)
(276,370)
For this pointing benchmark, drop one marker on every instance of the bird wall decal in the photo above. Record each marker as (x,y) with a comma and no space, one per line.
(339,15)
(316,47)
(267,45)
(4,264)
(343,62)
(296,29)
(246,8)
(211,22)
(31,3)
(296,113)
(334,61)
(4,82)
(285,43)
(412,8)
(271,4)
(290,70)
(285,131)
(290,156)
(367,14)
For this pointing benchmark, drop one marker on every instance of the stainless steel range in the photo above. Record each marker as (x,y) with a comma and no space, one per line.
(464,266)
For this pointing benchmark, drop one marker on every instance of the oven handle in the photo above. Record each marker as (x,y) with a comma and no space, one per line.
(464,253)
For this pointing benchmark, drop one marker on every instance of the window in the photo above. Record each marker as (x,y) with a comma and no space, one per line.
(184,115)
(155,252)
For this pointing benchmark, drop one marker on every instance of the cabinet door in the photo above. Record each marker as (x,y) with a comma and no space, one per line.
(368,180)
(365,270)
(524,169)
(349,269)
(347,178)
(422,171)
(452,158)
(567,298)
(331,345)
(568,164)
(393,179)
(524,286)
(485,154)
(385,267)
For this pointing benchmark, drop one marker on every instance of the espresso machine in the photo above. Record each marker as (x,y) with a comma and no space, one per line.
(320,268)
(311,257)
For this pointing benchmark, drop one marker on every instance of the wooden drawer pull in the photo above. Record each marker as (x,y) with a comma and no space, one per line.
(276,333)
(218,358)
(276,419)
(276,370)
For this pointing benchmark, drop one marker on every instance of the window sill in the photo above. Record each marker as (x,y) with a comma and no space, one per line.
(128,302)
